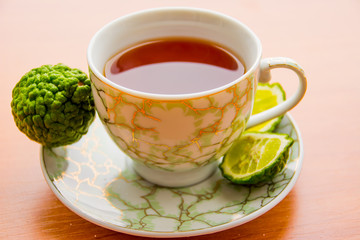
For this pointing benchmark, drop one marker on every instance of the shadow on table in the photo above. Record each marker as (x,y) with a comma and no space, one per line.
(56,221)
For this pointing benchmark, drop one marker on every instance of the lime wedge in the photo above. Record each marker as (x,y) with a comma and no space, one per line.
(256,157)
(267,96)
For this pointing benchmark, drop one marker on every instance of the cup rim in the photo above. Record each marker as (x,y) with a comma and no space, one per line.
(160,96)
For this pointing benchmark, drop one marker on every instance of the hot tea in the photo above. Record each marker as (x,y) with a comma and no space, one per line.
(174,66)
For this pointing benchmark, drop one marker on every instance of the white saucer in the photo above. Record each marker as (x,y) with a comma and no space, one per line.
(95,179)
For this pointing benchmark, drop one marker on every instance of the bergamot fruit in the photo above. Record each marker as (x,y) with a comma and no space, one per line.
(53,105)
(256,157)
(267,96)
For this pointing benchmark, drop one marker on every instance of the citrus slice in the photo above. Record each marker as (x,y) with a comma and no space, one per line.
(256,157)
(267,96)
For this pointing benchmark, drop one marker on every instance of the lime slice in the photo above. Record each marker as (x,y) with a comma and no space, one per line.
(267,96)
(256,157)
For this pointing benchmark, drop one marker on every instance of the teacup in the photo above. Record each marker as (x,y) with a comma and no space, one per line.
(176,140)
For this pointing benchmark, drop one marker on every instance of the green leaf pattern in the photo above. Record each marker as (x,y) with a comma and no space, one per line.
(97,178)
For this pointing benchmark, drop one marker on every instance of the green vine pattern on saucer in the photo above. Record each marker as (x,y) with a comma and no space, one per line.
(96,178)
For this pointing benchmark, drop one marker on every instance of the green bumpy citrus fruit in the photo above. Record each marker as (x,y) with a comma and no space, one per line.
(53,105)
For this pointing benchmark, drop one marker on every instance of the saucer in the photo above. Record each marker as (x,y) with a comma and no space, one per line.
(95,179)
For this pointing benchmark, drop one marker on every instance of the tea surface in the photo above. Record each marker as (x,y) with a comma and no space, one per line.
(174,66)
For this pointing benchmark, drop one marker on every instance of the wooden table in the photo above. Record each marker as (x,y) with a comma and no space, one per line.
(323,36)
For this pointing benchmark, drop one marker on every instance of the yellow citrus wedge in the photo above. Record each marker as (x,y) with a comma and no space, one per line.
(267,96)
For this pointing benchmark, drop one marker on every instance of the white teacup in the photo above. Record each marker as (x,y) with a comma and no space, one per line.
(176,139)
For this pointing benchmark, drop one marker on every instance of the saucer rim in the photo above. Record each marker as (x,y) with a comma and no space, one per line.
(190,233)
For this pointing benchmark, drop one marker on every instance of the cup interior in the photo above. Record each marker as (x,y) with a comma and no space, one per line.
(126,31)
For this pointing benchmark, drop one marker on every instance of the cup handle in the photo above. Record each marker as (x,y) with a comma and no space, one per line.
(265,66)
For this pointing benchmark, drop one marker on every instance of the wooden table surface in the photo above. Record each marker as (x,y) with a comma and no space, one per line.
(323,36)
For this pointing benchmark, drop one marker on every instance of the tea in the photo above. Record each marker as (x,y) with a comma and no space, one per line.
(174,66)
